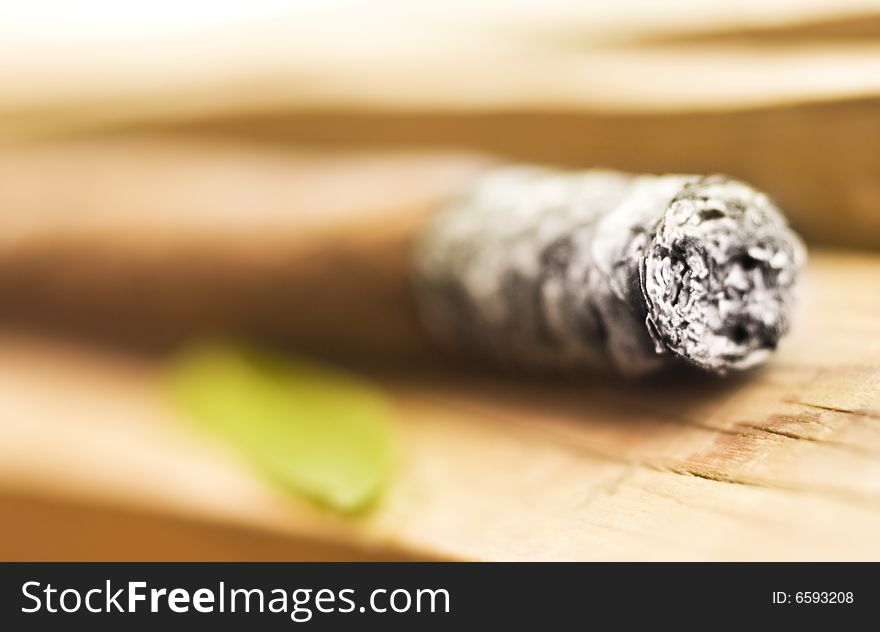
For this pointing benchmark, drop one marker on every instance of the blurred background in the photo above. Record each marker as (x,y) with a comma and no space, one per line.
(171,170)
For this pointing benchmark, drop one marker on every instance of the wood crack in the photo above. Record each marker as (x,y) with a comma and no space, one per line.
(732,432)
(871,414)
(575,443)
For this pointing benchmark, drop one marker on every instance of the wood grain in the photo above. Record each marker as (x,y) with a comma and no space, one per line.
(783,463)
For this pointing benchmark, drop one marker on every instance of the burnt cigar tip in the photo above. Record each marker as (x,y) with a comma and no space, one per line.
(542,269)
(720,275)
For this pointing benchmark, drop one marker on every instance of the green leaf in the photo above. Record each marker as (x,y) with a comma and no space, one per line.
(316,431)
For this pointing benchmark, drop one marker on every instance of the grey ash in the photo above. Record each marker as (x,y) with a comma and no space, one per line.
(602,270)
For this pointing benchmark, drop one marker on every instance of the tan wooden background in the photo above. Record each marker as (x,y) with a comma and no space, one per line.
(266,177)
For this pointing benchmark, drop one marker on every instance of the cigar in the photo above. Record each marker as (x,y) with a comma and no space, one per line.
(544,269)
(391,256)
(143,242)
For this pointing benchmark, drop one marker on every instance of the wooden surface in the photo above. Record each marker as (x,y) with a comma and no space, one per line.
(783,463)
(203,219)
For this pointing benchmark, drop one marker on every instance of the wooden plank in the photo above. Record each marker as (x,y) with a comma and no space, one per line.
(388,55)
(817,159)
(783,95)
(783,463)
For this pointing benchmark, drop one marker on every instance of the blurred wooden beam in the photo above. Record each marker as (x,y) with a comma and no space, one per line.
(631,56)
(783,95)
(818,160)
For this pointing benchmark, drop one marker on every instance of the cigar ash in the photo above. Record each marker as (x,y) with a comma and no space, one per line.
(603,270)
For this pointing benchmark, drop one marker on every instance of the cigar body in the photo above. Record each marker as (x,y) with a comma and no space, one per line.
(602,270)
(148,242)
(145,242)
